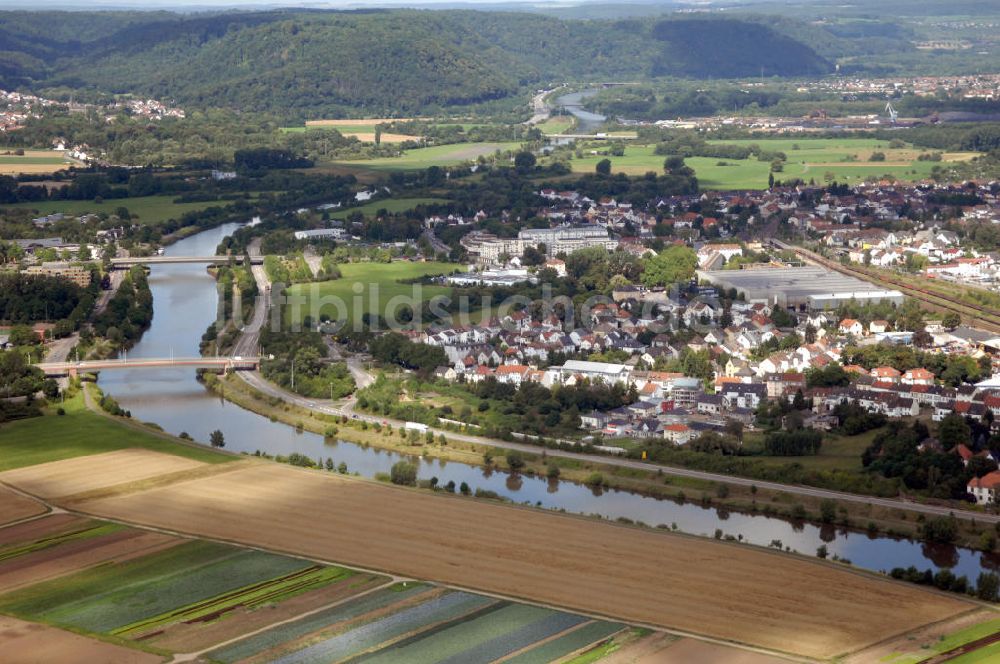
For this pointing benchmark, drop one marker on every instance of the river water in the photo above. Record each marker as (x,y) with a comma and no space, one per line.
(585,120)
(184,301)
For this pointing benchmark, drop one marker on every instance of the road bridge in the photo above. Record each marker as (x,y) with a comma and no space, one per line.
(123,262)
(236,363)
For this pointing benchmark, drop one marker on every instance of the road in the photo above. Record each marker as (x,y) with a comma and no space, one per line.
(436,244)
(105,296)
(256,381)
(540,107)
(364,378)
(249,340)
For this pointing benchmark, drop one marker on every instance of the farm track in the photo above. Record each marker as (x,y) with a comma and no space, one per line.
(984,317)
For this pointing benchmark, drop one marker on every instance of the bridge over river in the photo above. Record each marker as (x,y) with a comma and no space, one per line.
(236,363)
(125,262)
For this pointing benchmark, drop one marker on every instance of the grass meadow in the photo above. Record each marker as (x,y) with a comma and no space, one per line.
(846,160)
(438,155)
(385,276)
(81,432)
(391,205)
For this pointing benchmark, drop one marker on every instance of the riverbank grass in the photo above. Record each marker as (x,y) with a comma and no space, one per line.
(438,155)
(81,432)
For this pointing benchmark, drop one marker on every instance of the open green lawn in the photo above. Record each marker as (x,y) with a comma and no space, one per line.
(391,205)
(845,159)
(438,155)
(11,159)
(379,284)
(144,209)
(78,433)
(836,453)
(557,124)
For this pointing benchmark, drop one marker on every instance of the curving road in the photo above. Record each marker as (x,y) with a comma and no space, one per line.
(253,378)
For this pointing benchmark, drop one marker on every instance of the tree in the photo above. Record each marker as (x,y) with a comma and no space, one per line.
(404,473)
(674,165)
(954,430)
(514,460)
(217,439)
(951,320)
(603,167)
(378,135)
(987,586)
(827,510)
(524,162)
(670,266)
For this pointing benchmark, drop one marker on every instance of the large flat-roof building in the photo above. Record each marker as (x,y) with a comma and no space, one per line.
(809,286)
(487,248)
(602,372)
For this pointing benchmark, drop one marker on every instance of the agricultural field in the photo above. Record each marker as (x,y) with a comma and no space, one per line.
(796,605)
(363,130)
(184,597)
(391,205)
(61,544)
(419,624)
(34,162)
(143,209)
(382,278)
(14,507)
(846,159)
(439,155)
(30,643)
(80,432)
(970,632)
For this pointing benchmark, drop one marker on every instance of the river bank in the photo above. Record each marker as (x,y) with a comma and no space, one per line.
(727,500)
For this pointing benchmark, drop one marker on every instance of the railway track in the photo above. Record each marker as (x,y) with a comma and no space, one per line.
(983,317)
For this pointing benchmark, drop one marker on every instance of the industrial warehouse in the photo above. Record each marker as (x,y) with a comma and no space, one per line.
(809,287)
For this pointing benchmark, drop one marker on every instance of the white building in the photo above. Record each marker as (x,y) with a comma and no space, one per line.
(595,371)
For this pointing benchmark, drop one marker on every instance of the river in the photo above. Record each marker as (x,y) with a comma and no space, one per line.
(184,300)
(585,120)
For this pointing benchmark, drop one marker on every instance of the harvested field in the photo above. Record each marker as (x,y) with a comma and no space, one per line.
(97,471)
(721,590)
(685,651)
(14,507)
(23,642)
(354,123)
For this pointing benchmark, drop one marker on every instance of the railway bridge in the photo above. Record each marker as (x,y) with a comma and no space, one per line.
(235,363)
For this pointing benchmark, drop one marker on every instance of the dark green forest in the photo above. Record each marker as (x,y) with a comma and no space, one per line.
(310,63)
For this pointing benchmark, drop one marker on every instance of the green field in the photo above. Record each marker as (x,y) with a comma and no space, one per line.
(10,159)
(391,205)
(145,209)
(845,159)
(384,276)
(439,155)
(557,124)
(836,453)
(80,432)
(122,597)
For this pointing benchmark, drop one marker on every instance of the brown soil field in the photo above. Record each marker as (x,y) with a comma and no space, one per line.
(726,591)
(660,650)
(76,555)
(36,529)
(24,642)
(14,507)
(32,169)
(198,636)
(97,471)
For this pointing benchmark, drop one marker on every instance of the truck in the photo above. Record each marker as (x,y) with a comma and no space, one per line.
(415,426)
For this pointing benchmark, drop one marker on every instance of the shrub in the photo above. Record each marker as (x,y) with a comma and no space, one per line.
(404,473)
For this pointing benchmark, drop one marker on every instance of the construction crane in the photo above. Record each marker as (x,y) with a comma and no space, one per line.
(893,114)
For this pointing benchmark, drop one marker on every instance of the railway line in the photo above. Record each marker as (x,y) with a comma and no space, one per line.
(983,317)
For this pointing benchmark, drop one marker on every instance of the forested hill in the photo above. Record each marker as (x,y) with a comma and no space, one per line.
(311,63)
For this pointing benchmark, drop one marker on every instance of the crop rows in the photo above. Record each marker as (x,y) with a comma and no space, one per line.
(107,597)
(562,646)
(481,638)
(249,597)
(289,632)
(441,609)
(87,531)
